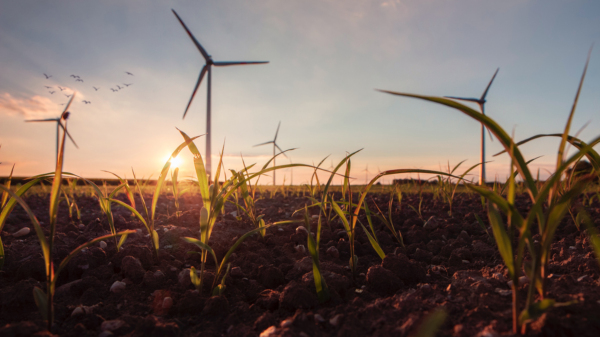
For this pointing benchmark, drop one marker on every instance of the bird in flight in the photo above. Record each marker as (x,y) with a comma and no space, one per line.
(74,76)
(95,88)
(79,80)
(61,88)
(113,90)
(119,87)
(47,87)
(62,104)
(68,95)
(86,102)
(128,73)
(125,84)
(51,92)
(47,77)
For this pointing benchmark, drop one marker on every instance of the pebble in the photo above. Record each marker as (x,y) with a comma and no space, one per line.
(270,331)
(301,249)
(167,303)
(315,216)
(81,226)
(117,287)
(572,247)
(336,320)
(319,318)
(333,252)
(522,280)
(503,292)
(286,323)
(466,261)
(301,229)
(280,229)
(102,244)
(22,232)
(582,278)
(111,325)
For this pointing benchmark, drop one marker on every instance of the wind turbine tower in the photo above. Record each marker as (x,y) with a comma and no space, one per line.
(481,101)
(208,69)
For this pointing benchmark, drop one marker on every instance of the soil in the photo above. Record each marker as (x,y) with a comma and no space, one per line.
(451,263)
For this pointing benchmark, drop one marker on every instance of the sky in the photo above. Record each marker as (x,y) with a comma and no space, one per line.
(327,57)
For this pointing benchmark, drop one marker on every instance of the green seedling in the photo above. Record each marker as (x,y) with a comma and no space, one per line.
(45,300)
(150,220)
(313,250)
(550,203)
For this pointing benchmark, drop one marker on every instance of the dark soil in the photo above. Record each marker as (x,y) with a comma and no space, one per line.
(451,263)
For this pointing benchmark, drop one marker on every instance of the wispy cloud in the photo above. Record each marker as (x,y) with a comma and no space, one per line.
(35,106)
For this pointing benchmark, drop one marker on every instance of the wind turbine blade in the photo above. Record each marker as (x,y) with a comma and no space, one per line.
(464,99)
(43,120)
(281,151)
(238,63)
(265,143)
(202,73)
(488,87)
(67,106)
(202,51)
(68,134)
(277,132)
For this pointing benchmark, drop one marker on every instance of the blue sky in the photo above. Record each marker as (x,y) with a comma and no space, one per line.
(326,58)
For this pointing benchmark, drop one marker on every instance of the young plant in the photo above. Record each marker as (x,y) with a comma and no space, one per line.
(313,250)
(550,204)
(45,300)
(149,221)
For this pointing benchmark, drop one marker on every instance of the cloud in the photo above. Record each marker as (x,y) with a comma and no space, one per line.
(35,106)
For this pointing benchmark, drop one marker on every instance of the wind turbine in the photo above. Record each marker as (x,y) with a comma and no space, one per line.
(59,125)
(207,69)
(274,142)
(366,171)
(481,101)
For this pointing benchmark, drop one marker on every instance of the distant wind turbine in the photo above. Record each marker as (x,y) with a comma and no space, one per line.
(59,125)
(207,68)
(481,101)
(366,171)
(274,142)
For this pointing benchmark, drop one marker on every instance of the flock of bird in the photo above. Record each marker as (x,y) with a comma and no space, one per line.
(79,79)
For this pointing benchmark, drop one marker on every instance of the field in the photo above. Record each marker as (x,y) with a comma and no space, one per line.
(440,257)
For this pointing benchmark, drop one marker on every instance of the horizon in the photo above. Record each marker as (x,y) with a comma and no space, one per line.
(326,60)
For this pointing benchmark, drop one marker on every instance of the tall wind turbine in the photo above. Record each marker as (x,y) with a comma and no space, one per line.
(481,101)
(207,69)
(59,125)
(274,142)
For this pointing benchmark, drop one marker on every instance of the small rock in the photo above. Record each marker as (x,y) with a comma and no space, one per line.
(466,261)
(333,252)
(167,303)
(300,249)
(234,213)
(22,232)
(319,319)
(102,244)
(286,323)
(522,280)
(270,331)
(315,216)
(301,229)
(572,247)
(81,226)
(132,268)
(503,292)
(111,325)
(336,320)
(581,278)
(117,287)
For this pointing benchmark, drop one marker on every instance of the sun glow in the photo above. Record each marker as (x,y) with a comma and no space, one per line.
(175,162)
